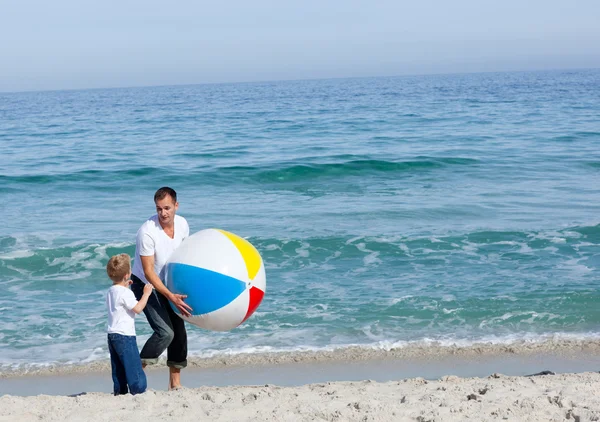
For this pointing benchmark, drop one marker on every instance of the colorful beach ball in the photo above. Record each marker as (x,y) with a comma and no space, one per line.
(222,275)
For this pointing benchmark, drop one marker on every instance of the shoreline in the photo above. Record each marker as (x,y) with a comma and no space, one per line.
(283,371)
(434,351)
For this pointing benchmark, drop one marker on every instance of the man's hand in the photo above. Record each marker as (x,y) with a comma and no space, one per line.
(183,307)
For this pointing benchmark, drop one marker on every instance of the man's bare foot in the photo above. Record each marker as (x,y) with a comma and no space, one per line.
(174,378)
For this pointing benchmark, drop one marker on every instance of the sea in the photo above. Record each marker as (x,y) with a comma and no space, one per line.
(438,210)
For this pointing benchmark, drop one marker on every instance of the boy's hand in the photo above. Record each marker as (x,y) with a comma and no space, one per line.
(148,289)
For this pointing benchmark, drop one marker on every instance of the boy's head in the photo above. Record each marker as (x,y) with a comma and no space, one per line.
(118,267)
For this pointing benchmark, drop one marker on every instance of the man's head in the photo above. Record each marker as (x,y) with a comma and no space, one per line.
(119,268)
(166,203)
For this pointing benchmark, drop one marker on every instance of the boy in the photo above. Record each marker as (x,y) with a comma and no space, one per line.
(122,307)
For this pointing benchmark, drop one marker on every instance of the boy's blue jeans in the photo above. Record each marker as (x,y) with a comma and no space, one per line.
(126,365)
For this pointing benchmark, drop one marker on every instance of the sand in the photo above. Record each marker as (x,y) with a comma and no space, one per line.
(497,397)
(476,383)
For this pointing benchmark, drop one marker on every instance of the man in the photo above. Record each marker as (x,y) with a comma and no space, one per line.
(156,240)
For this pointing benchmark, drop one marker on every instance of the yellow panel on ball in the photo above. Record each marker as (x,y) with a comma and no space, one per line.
(249,253)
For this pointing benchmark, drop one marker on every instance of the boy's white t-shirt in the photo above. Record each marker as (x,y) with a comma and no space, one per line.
(151,240)
(121,319)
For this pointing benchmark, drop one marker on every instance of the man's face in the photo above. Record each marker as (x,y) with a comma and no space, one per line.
(166,208)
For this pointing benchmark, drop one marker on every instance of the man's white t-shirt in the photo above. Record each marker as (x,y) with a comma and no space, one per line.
(120,301)
(151,240)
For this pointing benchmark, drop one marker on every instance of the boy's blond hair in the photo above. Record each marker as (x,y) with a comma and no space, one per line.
(118,267)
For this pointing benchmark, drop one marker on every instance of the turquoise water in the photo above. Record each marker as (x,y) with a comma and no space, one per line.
(389,211)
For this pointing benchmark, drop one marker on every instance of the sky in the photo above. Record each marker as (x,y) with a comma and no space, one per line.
(75,44)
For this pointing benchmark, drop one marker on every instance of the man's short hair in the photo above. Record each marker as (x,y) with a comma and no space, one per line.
(163,192)
(118,267)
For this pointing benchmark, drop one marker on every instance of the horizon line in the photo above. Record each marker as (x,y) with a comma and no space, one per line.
(258,81)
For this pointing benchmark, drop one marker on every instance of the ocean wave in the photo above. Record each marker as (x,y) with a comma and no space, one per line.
(78,176)
(362,167)
(51,260)
(371,249)
(271,173)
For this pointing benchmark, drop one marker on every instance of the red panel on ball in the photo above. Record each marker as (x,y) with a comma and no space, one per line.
(256,296)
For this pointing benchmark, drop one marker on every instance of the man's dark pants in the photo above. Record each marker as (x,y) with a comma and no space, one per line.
(169,329)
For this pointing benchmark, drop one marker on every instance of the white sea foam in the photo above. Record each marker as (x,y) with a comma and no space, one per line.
(19,270)
(575,266)
(505,297)
(505,242)
(583,245)
(99,257)
(572,234)
(525,249)
(451,311)
(372,256)
(401,299)
(99,353)
(25,253)
(470,248)
(354,239)
(404,249)
(304,250)
(555,236)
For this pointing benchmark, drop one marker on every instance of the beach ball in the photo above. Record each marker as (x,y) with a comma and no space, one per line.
(222,275)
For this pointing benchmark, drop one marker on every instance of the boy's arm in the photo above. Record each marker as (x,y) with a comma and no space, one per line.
(139,307)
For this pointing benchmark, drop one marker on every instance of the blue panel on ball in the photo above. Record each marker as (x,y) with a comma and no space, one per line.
(206,290)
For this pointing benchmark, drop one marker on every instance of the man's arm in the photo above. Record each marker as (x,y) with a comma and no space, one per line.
(152,277)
